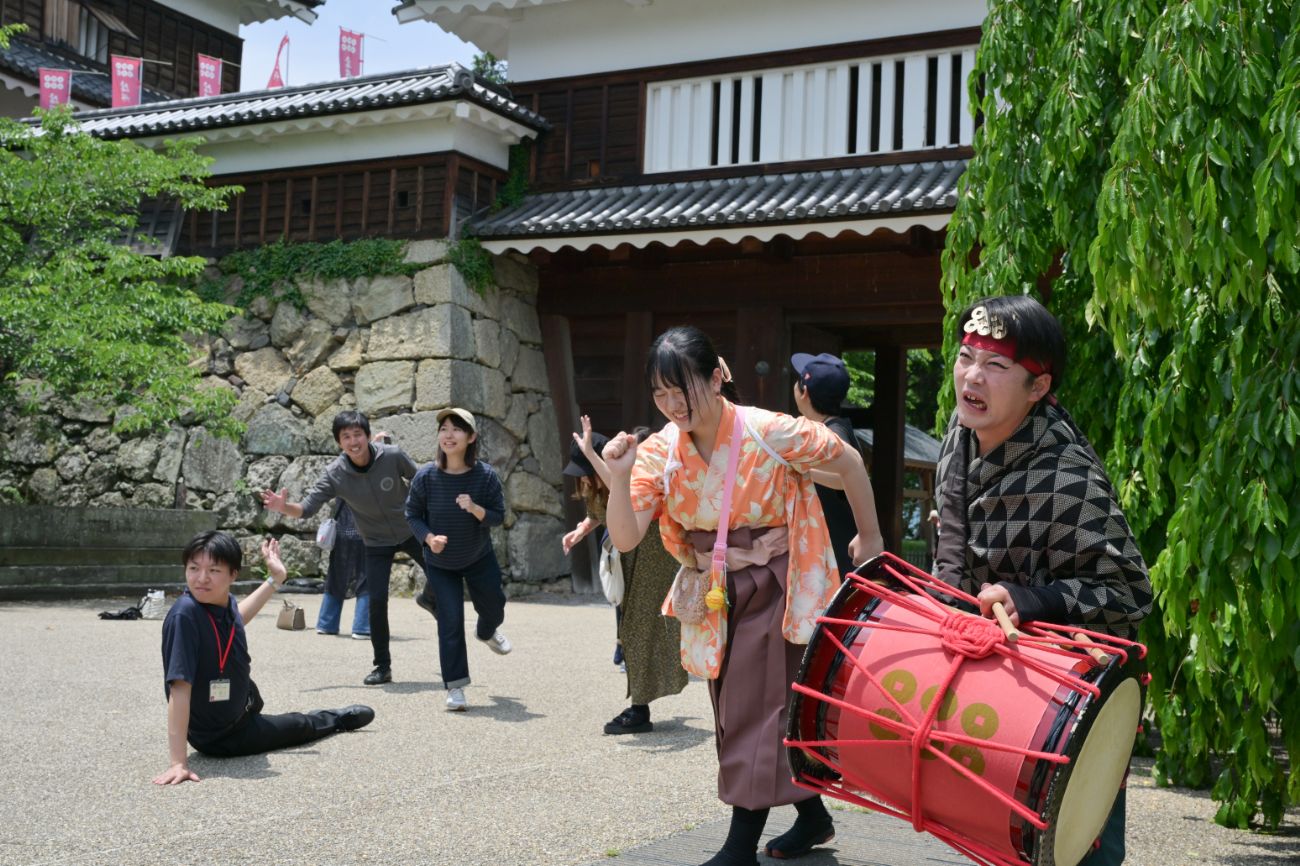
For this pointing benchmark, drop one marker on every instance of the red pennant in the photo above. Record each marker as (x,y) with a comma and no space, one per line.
(126,80)
(350,53)
(277,80)
(56,87)
(209,75)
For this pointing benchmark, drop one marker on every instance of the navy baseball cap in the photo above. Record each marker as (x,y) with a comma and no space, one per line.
(579,466)
(823,376)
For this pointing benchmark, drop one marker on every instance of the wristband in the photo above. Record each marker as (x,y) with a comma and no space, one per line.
(271,580)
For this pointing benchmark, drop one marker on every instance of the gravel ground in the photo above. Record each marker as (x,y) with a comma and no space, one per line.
(524,777)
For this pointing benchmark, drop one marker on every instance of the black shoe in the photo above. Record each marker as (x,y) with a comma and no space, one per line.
(379,676)
(355,716)
(426,602)
(629,722)
(798,841)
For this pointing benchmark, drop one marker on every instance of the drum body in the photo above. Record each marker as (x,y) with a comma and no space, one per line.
(1024,755)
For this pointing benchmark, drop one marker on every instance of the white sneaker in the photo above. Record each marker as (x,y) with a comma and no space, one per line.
(499,643)
(456,701)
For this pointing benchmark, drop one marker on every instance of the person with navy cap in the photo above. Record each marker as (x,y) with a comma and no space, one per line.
(821,384)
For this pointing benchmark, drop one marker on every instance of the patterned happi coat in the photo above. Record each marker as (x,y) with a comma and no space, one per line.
(1039,514)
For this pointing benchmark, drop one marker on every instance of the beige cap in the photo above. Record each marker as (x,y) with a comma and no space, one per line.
(462,414)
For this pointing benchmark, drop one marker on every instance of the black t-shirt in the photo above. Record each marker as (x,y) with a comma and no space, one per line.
(835,504)
(189,650)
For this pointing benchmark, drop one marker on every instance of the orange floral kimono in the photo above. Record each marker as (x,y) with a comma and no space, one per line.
(767,493)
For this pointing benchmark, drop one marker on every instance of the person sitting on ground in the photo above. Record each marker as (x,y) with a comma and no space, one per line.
(460,496)
(212,701)
(372,478)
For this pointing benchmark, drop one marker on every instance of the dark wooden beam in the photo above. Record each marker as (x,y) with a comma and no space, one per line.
(315,204)
(760,345)
(887,451)
(805,284)
(636,395)
(557,348)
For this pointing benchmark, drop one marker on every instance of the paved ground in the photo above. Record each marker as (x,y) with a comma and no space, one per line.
(525,777)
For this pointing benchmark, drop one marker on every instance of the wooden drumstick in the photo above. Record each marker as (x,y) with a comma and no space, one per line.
(1092,649)
(1005,621)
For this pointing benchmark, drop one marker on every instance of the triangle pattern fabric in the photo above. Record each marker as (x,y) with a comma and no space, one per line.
(1040,512)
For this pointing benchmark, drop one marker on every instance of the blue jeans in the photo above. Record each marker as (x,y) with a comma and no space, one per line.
(483,578)
(331,611)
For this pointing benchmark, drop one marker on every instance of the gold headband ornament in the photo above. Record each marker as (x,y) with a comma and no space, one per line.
(980,322)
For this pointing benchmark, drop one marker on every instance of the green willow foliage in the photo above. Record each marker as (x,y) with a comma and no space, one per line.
(1147,155)
(81,313)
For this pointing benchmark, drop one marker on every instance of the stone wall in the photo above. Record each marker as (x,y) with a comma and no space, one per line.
(396,347)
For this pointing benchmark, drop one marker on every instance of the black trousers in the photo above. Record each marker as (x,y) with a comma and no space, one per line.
(379,567)
(256,733)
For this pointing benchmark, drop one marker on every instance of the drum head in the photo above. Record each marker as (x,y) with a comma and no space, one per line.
(1083,791)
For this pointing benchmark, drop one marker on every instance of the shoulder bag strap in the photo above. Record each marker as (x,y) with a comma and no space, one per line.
(762,443)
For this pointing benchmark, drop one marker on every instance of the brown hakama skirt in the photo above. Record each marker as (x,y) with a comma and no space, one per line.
(751,694)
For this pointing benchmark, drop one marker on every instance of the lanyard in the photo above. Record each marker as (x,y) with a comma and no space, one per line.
(222,656)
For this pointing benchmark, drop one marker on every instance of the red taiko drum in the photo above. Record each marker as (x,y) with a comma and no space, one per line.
(1011,752)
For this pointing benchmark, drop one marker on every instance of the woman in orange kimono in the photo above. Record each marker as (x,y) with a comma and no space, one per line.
(780,568)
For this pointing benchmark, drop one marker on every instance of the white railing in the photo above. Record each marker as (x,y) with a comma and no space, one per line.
(867,106)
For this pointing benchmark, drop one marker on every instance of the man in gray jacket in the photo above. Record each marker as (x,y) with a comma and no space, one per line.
(372,479)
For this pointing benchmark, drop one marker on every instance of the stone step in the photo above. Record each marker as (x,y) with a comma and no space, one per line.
(64,581)
(49,551)
(89,556)
(56,526)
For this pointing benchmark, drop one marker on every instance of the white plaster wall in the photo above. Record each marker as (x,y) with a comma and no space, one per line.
(223,14)
(291,149)
(588,36)
(20,98)
(15,103)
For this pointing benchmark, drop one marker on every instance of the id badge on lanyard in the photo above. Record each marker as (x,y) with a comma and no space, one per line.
(219,689)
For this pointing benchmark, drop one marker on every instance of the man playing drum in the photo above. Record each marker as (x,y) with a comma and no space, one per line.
(1028,515)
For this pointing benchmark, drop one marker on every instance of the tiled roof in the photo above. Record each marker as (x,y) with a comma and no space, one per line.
(866,192)
(254,11)
(388,90)
(919,448)
(24,58)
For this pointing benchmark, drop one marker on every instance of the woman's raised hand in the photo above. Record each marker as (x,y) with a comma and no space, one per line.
(620,453)
(584,441)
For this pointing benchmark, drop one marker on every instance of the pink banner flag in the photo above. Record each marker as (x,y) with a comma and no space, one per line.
(277,80)
(349,53)
(209,75)
(56,87)
(126,80)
